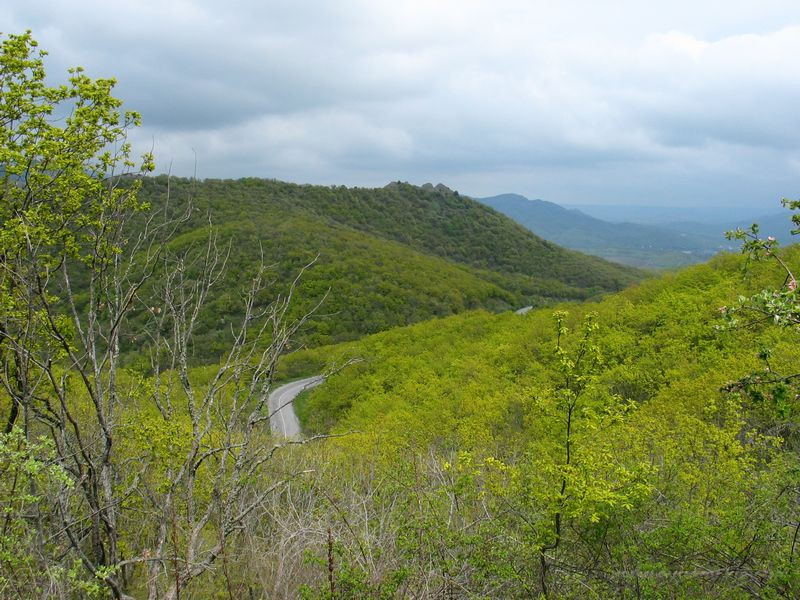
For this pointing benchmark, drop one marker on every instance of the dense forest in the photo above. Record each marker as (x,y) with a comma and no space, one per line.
(386,257)
(637,443)
(635,447)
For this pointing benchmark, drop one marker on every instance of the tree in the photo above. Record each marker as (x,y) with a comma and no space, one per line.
(63,152)
(576,483)
(156,473)
(60,199)
(771,395)
(774,395)
(780,305)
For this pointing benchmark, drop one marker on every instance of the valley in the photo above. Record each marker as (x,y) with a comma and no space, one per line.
(645,237)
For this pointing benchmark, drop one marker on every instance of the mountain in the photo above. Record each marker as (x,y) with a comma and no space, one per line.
(778,225)
(654,214)
(628,243)
(387,257)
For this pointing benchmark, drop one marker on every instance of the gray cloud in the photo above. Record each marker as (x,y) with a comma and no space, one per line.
(612,101)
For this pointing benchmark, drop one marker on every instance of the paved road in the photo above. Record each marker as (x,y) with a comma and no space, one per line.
(284,420)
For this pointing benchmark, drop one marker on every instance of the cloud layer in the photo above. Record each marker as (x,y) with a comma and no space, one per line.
(609,101)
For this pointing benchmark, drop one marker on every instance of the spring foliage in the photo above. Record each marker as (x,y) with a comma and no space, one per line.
(387,257)
(623,447)
(642,445)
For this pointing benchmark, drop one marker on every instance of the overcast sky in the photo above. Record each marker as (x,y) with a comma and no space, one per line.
(625,102)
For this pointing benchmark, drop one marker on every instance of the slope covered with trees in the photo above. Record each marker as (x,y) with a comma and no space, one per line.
(642,446)
(387,257)
(648,246)
(434,221)
(664,325)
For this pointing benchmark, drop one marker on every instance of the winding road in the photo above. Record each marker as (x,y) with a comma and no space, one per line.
(283,420)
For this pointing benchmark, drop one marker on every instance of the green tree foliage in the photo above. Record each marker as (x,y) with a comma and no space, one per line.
(435,222)
(30,481)
(189,450)
(62,150)
(779,305)
(387,257)
(618,466)
(773,392)
(60,202)
(637,450)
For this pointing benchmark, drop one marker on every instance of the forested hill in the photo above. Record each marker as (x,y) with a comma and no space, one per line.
(434,221)
(389,256)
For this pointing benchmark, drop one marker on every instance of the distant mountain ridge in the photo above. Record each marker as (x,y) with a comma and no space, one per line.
(628,243)
(775,224)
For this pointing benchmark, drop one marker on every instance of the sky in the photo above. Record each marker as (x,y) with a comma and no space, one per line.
(679,103)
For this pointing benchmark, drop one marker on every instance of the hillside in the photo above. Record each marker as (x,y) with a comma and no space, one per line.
(634,435)
(661,329)
(778,225)
(636,244)
(666,242)
(387,257)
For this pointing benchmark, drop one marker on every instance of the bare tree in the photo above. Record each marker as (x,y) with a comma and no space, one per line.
(197,502)
(206,493)
(82,262)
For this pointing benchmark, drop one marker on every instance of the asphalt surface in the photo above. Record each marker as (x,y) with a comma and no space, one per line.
(284,420)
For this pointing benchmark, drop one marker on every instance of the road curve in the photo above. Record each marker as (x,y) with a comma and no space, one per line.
(283,420)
